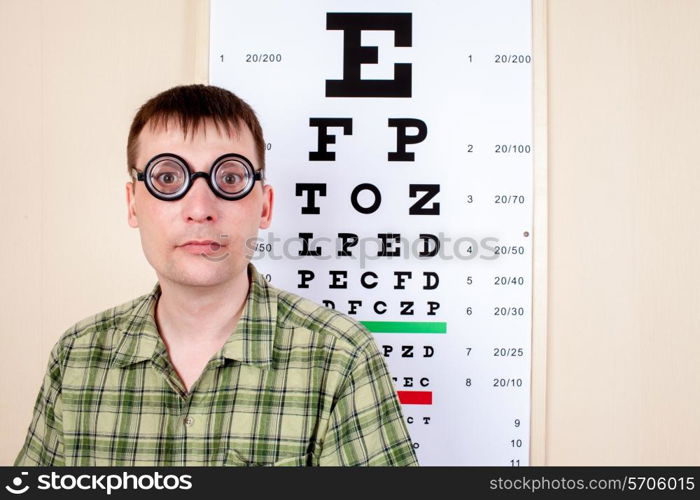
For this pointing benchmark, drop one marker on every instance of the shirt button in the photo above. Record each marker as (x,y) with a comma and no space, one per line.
(189,421)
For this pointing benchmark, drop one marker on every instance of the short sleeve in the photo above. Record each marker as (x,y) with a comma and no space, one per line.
(43,445)
(366,426)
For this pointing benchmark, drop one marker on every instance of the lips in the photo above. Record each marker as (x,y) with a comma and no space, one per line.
(202,246)
(202,242)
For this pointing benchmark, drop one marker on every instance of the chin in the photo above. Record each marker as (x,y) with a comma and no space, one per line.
(205,274)
(198,280)
(204,271)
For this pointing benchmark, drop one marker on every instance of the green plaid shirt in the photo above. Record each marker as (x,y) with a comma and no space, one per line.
(295,384)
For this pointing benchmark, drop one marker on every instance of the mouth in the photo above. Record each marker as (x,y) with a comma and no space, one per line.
(199,247)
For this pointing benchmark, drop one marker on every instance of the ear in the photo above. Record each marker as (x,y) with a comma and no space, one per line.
(131,204)
(268,202)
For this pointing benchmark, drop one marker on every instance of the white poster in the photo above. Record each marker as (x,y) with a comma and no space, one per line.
(399,144)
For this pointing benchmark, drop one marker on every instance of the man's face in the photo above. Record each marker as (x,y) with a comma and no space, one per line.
(166,226)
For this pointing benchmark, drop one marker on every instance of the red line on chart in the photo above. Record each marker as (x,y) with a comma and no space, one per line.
(415,397)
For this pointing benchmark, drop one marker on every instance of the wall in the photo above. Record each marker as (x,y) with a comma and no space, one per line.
(73,74)
(623,114)
(623,345)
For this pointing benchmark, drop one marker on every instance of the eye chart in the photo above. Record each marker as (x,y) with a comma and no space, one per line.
(399,144)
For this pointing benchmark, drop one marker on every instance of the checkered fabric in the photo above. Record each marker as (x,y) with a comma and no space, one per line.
(295,384)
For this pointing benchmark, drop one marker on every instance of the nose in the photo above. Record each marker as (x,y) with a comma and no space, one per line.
(200,203)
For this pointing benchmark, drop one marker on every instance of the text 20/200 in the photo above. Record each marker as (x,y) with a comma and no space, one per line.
(263,58)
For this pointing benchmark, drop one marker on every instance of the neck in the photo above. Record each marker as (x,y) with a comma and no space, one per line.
(189,315)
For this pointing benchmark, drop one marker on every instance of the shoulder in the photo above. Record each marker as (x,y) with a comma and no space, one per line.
(104,329)
(301,313)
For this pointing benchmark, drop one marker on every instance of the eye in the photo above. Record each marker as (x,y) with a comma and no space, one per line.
(167,178)
(231,178)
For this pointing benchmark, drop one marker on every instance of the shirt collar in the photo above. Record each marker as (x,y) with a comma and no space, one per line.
(250,343)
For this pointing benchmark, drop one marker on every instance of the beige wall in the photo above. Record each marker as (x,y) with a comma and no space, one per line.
(624,183)
(73,74)
(622,322)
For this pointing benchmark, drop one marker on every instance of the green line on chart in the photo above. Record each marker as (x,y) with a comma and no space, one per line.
(406,326)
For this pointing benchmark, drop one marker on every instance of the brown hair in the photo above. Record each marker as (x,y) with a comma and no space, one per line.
(191,105)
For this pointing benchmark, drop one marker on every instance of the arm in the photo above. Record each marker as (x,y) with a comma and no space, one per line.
(44,443)
(366,426)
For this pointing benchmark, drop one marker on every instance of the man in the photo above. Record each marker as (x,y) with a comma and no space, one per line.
(214,366)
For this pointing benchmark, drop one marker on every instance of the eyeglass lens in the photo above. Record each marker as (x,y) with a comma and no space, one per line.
(232,176)
(168,176)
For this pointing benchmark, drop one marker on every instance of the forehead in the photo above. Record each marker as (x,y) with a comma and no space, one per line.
(198,145)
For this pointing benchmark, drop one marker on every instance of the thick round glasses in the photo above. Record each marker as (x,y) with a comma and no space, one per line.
(168,177)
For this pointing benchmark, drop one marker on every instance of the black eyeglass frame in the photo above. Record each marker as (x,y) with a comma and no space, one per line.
(192,176)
